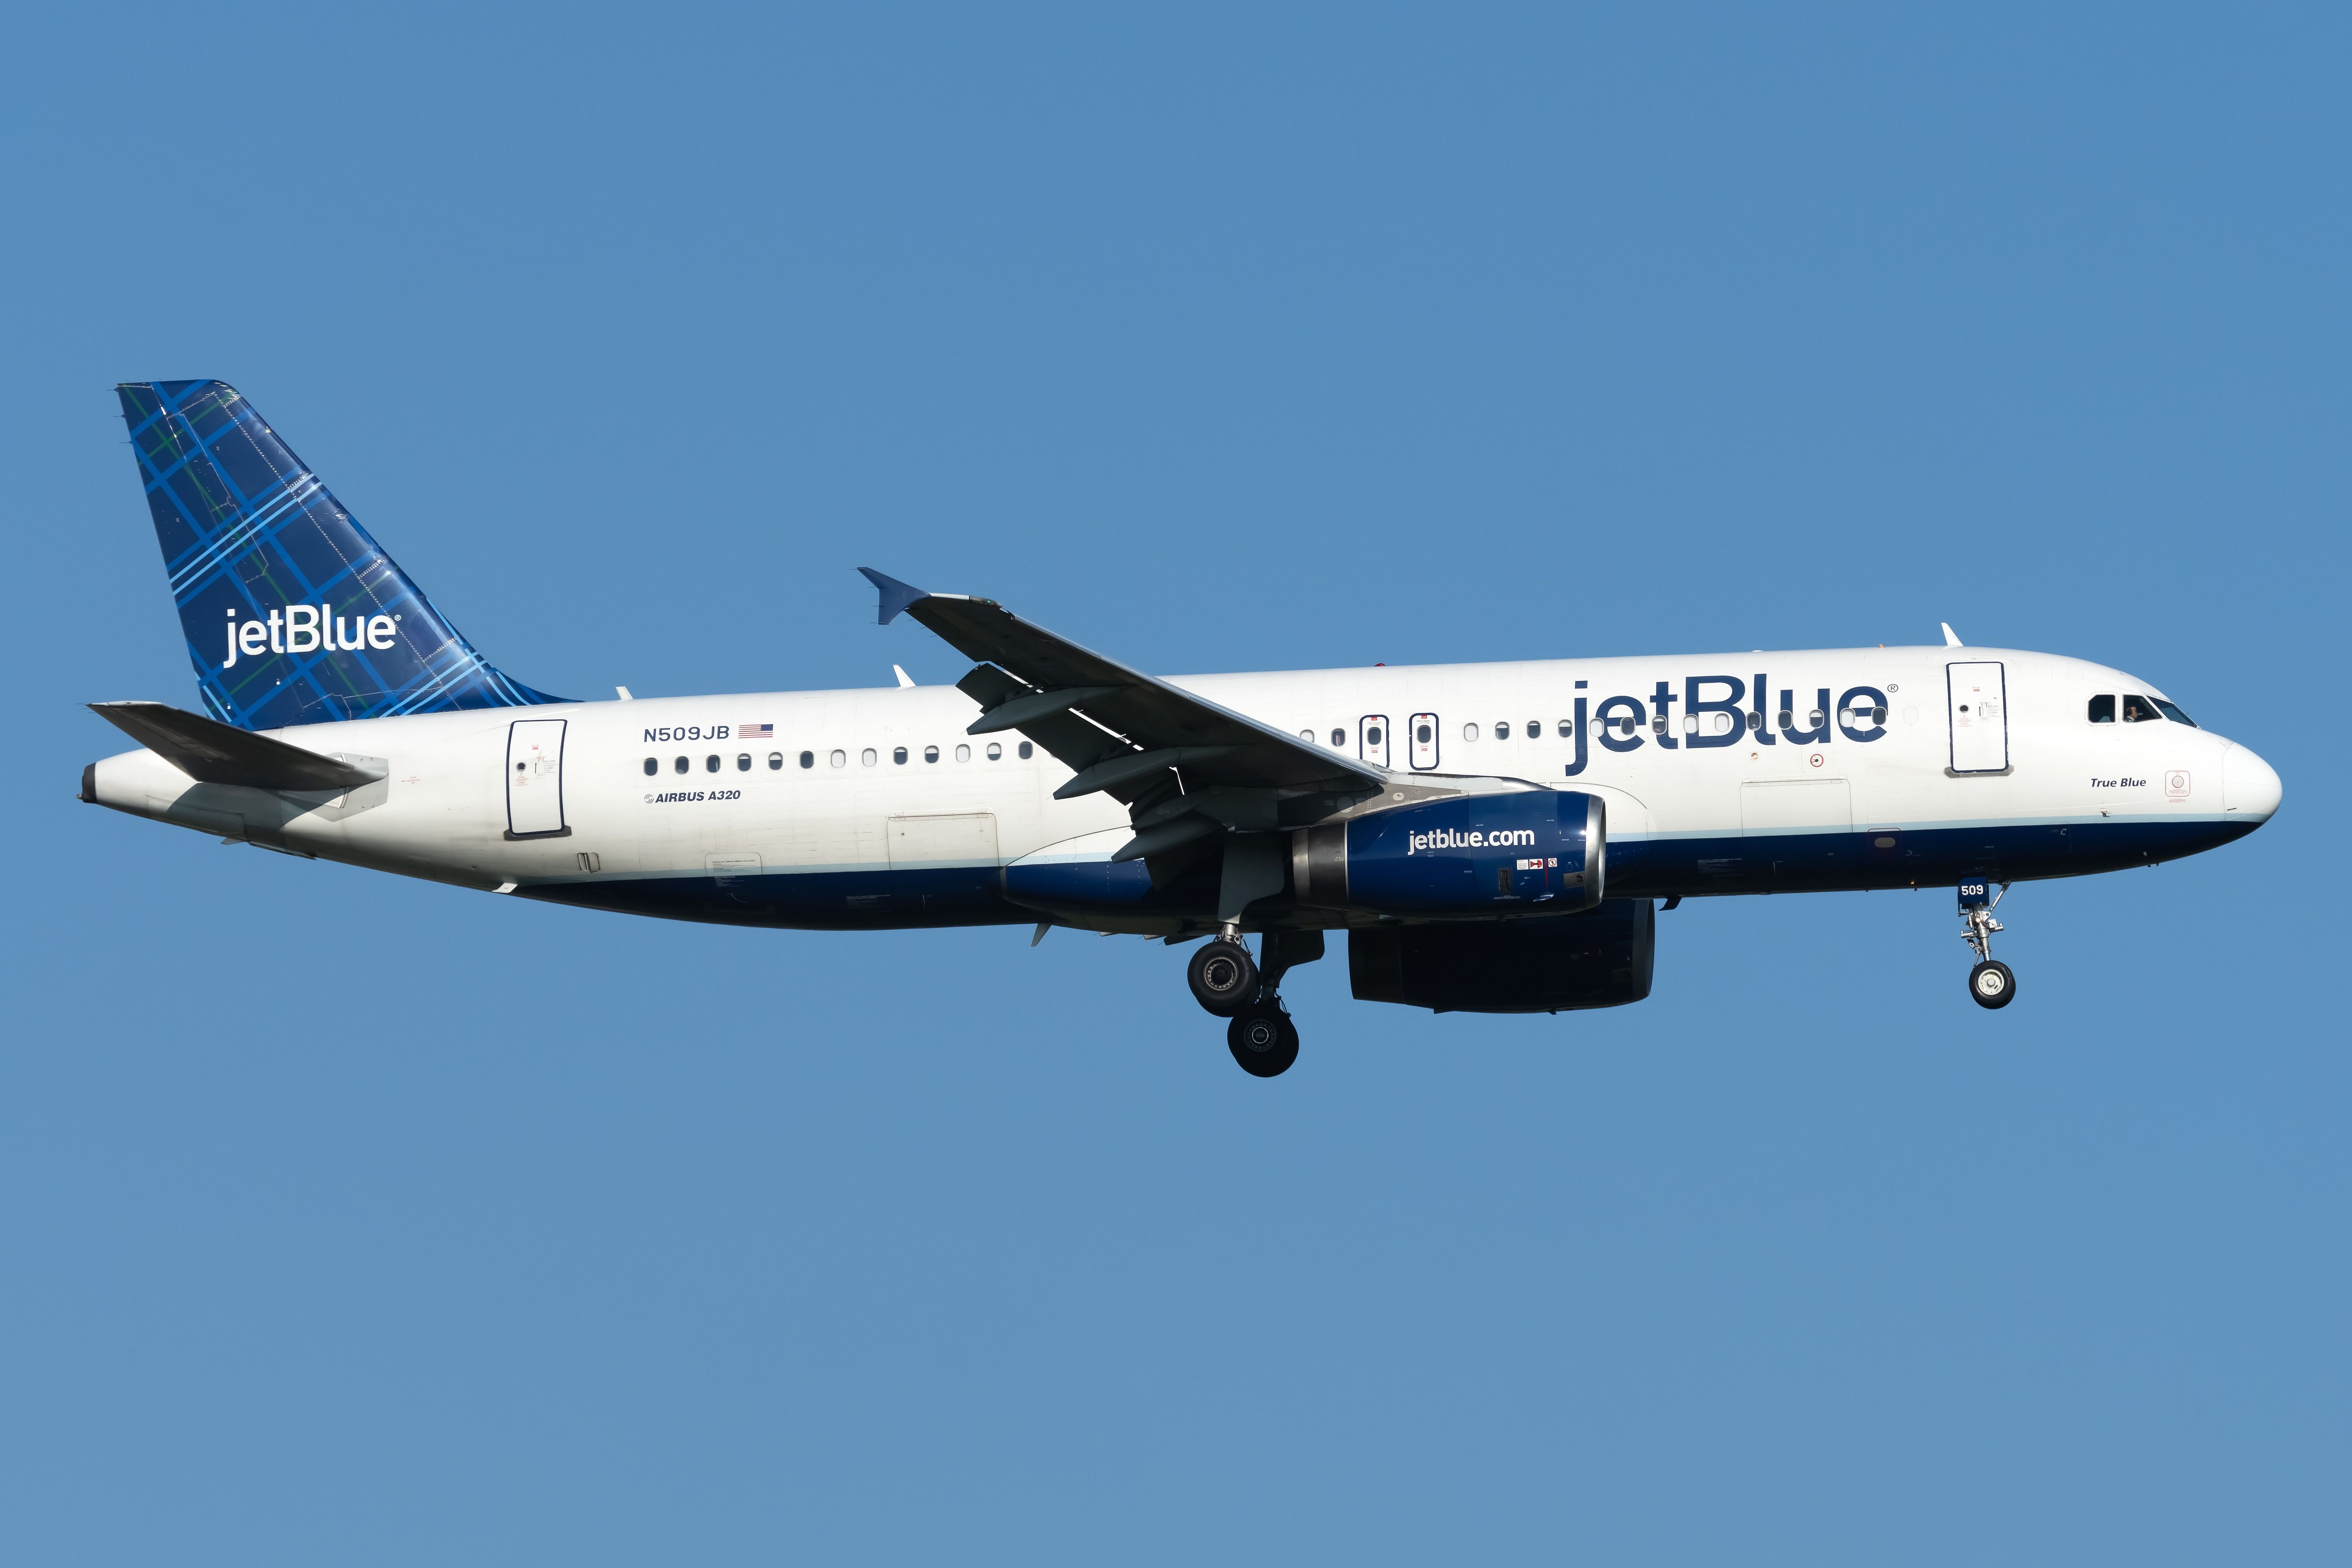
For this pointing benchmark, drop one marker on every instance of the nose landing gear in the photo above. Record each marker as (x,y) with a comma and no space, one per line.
(1990,983)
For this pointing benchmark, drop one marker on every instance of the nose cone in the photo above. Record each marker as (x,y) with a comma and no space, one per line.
(2250,786)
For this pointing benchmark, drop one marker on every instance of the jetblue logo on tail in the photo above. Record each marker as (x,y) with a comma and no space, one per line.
(307,628)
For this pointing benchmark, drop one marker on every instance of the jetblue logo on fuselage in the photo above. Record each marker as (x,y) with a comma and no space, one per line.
(307,628)
(1726,711)
(1450,838)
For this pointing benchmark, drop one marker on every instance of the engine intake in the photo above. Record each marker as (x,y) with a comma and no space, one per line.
(1525,852)
(1602,958)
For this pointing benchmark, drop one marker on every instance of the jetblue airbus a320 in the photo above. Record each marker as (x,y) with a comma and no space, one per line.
(1491,837)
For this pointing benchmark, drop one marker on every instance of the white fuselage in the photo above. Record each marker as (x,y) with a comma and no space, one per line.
(852,787)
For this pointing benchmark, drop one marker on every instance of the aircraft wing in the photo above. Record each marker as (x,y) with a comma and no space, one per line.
(1121,731)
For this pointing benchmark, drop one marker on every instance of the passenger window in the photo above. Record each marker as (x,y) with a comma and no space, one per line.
(652,766)
(808,759)
(963,754)
(1502,730)
(2138,710)
(710,763)
(931,753)
(1372,736)
(1755,721)
(1469,732)
(683,764)
(1339,738)
(865,759)
(743,761)
(1308,735)
(776,761)
(2172,712)
(2103,709)
(994,750)
(898,755)
(1027,751)
(1535,729)
(840,758)
(1422,734)
(1567,729)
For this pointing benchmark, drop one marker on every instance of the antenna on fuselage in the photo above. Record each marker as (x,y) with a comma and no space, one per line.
(1951,637)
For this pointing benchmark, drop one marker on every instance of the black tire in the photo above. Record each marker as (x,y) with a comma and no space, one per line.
(1991,984)
(1223,977)
(1263,1039)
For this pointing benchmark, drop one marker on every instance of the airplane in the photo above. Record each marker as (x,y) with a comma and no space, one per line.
(1491,837)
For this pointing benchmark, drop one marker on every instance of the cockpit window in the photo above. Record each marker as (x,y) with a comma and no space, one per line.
(2103,709)
(2172,712)
(2138,710)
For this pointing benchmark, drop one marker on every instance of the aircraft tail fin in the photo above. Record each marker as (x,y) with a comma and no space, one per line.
(293,614)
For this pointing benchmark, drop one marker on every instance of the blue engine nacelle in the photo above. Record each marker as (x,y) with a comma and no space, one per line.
(1602,958)
(1528,852)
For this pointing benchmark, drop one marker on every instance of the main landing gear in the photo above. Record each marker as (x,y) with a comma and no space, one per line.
(1990,981)
(1231,984)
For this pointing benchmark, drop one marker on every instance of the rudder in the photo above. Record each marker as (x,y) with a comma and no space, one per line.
(293,613)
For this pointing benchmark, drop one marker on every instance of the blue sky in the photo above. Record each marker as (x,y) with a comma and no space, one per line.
(350,1219)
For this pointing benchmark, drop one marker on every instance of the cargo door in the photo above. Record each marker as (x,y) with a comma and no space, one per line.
(1372,739)
(964,839)
(1978,701)
(535,779)
(1775,809)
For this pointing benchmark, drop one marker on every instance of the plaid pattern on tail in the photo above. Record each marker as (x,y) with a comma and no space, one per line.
(250,535)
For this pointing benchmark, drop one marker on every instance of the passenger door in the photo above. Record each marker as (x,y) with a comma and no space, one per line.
(535,779)
(1978,699)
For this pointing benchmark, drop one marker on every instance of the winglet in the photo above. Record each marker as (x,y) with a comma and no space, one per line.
(895,595)
(1951,637)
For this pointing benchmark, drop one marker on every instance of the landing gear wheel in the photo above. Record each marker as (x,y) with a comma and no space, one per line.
(1263,1039)
(1991,984)
(1223,977)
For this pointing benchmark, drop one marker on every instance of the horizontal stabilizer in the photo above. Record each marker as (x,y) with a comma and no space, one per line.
(213,753)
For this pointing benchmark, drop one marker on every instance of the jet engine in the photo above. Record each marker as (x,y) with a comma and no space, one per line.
(1524,852)
(1601,958)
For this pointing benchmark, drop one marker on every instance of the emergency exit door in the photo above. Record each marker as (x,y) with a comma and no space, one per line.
(535,779)
(1977,699)
(1372,739)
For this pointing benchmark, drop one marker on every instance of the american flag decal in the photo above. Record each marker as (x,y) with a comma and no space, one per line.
(756,732)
